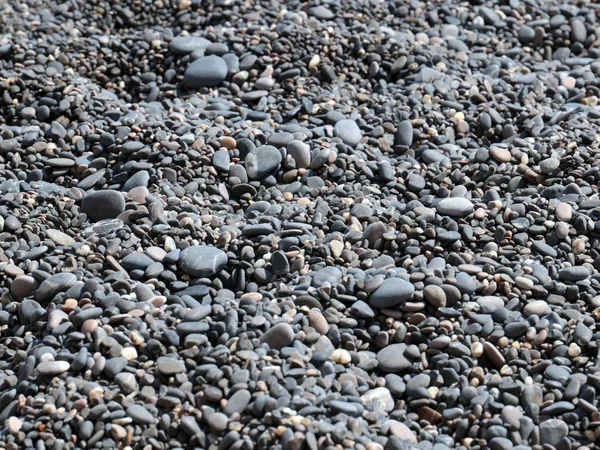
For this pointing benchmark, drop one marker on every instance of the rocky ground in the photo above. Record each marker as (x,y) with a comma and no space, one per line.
(322,225)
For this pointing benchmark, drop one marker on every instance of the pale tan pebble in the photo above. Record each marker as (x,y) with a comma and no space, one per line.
(476,349)
(500,154)
(318,321)
(574,350)
(563,212)
(14,425)
(569,82)
(523,283)
(336,248)
(228,142)
(341,356)
(96,393)
(129,353)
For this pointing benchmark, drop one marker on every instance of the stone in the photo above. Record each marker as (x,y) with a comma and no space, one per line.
(455,207)
(552,431)
(53,285)
(262,161)
(574,274)
(184,45)
(170,366)
(202,260)
(237,402)
(391,359)
(378,399)
(300,152)
(60,238)
(348,131)
(23,286)
(563,212)
(140,415)
(435,295)
(278,336)
(392,292)
(53,367)
(208,71)
(404,133)
(100,205)
(14,425)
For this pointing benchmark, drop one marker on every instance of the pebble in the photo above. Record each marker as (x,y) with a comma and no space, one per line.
(100,205)
(140,415)
(299,226)
(455,207)
(208,71)
(202,260)
(392,292)
(348,131)
(278,336)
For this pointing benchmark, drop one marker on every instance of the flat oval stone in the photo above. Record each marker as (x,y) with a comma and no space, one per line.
(53,367)
(100,205)
(455,207)
(391,359)
(208,71)
(202,260)
(184,45)
(563,212)
(348,131)
(392,292)
(278,336)
(140,415)
(574,274)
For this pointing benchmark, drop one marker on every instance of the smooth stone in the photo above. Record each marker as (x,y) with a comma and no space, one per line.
(552,431)
(549,165)
(262,161)
(202,260)
(574,273)
(331,275)
(435,295)
(60,238)
(53,285)
(217,421)
(378,399)
(221,160)
(100,205)
(30,311)
(278,336)
(563,212)
(348,131)
(391,359)
(500,154)
(136,261)
(170,366)
(404,133)
(208,71)
(53,367)
(23,286)
(300,152)
(392,292)
(185,45)
(537,307)
(138,179)
(140,415)
(544,249)
(455,207)
(237,402)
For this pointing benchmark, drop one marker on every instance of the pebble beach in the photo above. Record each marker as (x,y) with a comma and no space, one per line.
(299,225)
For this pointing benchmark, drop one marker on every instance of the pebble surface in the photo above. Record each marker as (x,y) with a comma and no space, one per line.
(299,225)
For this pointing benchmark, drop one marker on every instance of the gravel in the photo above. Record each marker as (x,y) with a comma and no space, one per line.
(299,226)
